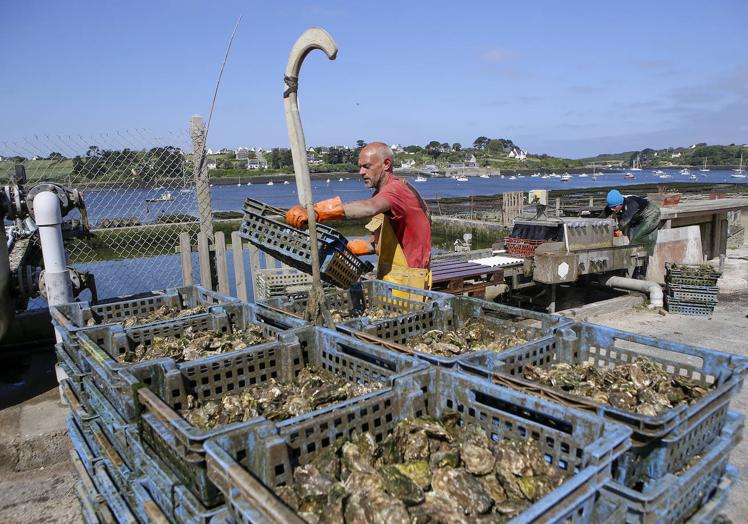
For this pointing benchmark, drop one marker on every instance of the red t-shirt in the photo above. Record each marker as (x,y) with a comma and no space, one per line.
(410,223)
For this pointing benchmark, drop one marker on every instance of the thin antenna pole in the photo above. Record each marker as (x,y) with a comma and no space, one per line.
(215,92)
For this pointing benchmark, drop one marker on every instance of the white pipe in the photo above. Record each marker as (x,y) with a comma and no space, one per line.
(645,286)
(56,277)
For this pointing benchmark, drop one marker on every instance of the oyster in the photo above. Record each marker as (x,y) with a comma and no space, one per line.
(162,313)
(642,386)
(372,313)
(474,335)
(276,401)
(460,475)
(191,344)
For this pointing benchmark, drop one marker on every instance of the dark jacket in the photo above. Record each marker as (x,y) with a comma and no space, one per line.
(631,214)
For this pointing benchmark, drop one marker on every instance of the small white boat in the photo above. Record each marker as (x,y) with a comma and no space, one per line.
(565,177)
(628,176)
(270,183)
(583,175)
(535,175)
(286,182)
(512,177)
(484,176)
(665,175)
(546,177)
(327,181)
(420,179)
(685,171)
(739,170)
(693,177)
(185,190)
(659,172)
(249,184)
(340,179)
(705,169)
(239,184)
(163,197)
(461,179)
(520,176)
(738,175)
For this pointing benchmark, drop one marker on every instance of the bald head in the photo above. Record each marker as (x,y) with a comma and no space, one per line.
(374,161)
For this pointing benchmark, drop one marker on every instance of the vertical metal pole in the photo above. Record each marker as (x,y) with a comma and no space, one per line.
(202,186)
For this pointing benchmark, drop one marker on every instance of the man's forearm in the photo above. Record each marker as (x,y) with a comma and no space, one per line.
(366,208)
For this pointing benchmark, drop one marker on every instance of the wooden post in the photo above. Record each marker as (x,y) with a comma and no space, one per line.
(592,201)
(185,254)
(238,252)
(202,186)
(222,270)
(254,268)
(203,250)
(558,206)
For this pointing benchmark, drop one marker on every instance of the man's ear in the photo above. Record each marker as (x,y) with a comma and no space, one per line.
(387,164)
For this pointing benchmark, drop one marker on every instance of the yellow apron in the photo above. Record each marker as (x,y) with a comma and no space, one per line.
(392,266)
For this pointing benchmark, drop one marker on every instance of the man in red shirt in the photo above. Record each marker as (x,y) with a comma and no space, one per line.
(401,225)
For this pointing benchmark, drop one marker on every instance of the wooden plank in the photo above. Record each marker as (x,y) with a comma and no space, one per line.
(203,250)
(185,255)
(222,270)
(241,279)
(254,268)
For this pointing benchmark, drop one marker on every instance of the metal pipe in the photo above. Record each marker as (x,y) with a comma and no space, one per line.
(645,286)
(56,277)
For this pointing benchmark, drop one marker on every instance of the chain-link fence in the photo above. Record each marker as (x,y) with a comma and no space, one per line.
(139,190)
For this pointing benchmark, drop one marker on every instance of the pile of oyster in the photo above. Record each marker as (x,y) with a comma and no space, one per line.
(313,388)
(642,386)
(426,470)
(162,313)
(196,344)
(372,313)
(474,335)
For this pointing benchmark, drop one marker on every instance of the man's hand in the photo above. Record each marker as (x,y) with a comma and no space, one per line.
(297,217)
(359,246)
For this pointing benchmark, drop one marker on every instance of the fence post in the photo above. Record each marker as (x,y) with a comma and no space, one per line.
(202,186)
(185,254)
(558,206)
(222,271)
(238,252)
(203,250)
(254,267)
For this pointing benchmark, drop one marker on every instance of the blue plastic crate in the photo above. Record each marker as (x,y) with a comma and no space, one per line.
(676,497)
(99,348)
(571,440)
(452,313)
(180,444)
(361,295)
(700,294)
(75,316)
(662,443)
(265,228)
(708,513)
(690,307)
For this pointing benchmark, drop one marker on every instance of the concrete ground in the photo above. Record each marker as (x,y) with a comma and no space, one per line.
(37,479)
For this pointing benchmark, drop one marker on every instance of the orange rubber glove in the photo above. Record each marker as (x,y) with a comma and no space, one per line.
(359,246)
(297,217)
(331,209)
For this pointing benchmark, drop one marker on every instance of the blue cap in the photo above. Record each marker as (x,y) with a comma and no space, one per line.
(615,198)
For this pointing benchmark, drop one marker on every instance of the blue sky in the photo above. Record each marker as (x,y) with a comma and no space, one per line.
(564,78)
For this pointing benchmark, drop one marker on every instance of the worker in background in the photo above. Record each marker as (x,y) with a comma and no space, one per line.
(637,217)
(401,224)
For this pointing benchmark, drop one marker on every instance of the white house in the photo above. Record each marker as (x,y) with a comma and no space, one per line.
(254,163)
(211,163)
(518,154)
(675,155)
(396,148)
(407,164)
(242,153)
(471,162)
